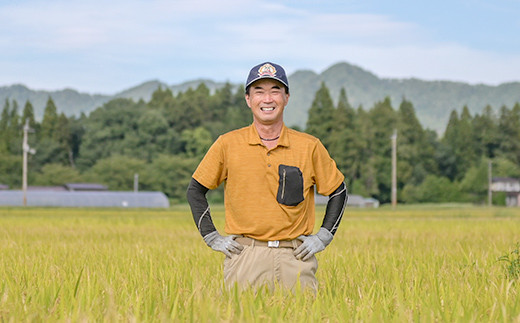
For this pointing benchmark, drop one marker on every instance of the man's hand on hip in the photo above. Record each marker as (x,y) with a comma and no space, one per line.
(226,245)
(313,244)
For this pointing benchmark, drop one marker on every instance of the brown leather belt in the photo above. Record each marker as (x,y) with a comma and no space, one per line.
(245,241)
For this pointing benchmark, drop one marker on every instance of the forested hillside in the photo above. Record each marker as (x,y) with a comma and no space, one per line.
(433,100)
(164,138)
(68,101)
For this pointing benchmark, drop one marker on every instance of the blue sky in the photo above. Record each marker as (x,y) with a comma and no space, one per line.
(107,46)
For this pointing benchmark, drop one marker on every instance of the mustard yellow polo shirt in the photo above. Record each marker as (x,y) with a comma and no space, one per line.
(269,194)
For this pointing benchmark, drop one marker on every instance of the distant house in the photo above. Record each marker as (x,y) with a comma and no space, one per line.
(85,187)
(4,187)
(360,201)
(71,187)
(511,186)
(47,188)
(371,202)
(353,201)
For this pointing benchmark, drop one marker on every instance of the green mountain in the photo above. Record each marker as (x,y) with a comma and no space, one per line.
(69,101)
(433,100)
(143,91)
(72,102)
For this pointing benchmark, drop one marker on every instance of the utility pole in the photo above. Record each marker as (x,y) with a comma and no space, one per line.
(394,169)
(26,149)
(136,182)
(490,179)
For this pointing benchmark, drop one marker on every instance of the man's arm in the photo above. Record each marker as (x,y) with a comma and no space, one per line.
(335,207)
(196,195)
(315,243)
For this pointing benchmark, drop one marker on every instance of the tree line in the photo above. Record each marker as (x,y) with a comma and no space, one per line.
(452,168)
(164,139)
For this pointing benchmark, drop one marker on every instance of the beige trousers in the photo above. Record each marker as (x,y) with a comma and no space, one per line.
(257,266)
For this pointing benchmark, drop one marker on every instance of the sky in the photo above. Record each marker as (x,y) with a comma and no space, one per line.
(109,46)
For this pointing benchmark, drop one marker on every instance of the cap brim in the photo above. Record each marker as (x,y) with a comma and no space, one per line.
(266,77)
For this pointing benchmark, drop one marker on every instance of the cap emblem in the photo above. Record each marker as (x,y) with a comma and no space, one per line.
(267,70)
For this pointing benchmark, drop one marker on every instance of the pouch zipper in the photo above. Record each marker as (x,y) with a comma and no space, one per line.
(283,184)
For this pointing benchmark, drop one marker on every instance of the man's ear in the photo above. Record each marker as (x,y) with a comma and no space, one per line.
(247,100)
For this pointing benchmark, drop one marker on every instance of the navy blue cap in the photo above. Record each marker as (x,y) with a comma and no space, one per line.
(267,70)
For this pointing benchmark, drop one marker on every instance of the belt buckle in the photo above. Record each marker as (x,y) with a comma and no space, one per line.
(273,244)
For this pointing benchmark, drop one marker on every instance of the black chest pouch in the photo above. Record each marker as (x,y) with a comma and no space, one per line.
(290,185)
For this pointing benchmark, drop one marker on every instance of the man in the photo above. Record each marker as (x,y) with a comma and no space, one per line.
(270,173)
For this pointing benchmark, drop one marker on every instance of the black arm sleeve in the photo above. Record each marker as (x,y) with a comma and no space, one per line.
(196,195)
(335,207)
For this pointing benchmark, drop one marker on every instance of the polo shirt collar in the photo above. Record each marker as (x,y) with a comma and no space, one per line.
(254,138)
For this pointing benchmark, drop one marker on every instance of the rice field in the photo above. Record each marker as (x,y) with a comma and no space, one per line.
(412,264)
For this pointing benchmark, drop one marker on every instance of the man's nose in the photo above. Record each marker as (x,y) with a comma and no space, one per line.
(268,97)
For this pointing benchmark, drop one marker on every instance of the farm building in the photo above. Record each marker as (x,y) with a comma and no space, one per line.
(85,187)
(353,201)
(511,186)
(83,195)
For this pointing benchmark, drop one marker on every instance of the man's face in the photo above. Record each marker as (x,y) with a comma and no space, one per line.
(267,100)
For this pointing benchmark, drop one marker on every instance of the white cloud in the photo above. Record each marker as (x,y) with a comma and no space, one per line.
(439,62)
(108,45)
(80,25)
(72,24)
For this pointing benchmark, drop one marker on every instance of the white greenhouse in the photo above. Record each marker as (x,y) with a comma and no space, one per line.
(85,199)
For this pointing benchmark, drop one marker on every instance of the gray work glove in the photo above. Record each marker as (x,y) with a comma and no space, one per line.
(226,245)
(313,244)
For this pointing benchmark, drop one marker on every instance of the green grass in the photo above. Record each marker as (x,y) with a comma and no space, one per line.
(420,264)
